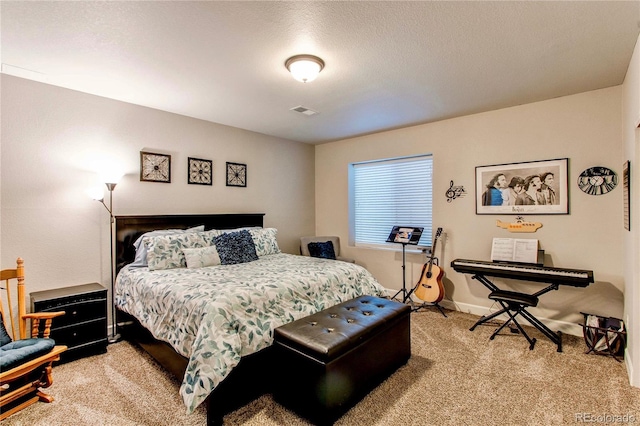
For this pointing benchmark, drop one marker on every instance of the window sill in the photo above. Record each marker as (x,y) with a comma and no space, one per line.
(411,249)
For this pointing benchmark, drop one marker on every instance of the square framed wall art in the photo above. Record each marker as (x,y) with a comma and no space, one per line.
(236,174)
(155,167)
(199,171)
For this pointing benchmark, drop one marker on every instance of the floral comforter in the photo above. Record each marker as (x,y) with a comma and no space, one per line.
(215,315)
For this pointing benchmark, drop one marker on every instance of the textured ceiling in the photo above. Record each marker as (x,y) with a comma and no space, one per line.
(388,64)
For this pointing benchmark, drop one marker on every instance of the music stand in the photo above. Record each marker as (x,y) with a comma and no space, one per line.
(404,235)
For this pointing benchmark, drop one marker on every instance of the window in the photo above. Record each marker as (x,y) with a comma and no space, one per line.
(390,192)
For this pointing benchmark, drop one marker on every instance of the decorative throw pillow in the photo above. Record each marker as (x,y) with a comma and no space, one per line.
(201,257)
(165,251)
(322,249)
(236,247)
(265,240)
(4,336)
(141,248)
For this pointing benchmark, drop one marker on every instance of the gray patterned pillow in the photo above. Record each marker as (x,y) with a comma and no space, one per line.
(210,235)
(141,248)
(165,251)
(236,247)
(265,240)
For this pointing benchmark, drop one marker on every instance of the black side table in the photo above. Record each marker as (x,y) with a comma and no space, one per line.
(83,328)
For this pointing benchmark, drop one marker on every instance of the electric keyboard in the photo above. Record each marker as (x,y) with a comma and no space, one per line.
(525,272)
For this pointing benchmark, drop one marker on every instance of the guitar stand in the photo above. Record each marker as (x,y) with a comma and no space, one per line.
(406,295)
(425,304)
(428,305)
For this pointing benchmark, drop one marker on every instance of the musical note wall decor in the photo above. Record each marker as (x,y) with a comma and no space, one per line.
(454,192)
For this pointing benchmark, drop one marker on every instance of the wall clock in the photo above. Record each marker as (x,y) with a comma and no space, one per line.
(199,171)
(155,167)
(236,174)
(597,180)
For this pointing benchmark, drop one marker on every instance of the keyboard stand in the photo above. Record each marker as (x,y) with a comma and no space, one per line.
(556,338)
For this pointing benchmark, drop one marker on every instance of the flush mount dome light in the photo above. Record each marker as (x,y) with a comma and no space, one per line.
(304,68)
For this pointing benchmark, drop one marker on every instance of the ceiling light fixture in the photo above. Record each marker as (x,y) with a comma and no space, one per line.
(304,68)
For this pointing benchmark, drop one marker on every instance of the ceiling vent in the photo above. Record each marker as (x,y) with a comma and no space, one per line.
(304,110)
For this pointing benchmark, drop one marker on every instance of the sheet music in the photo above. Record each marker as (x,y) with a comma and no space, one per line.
(514,250)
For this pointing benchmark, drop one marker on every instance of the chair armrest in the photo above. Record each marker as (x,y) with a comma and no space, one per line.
(43,315)
(21,370)
(36,317)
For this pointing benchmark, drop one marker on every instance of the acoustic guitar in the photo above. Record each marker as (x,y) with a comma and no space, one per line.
(429,287)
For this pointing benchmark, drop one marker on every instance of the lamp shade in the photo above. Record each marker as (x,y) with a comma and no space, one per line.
(111,176)
(96,193)
(304,68)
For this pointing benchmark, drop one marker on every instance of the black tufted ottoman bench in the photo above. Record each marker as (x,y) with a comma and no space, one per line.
(329,360)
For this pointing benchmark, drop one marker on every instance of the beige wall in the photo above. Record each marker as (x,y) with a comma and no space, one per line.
(53,140)
(631,242)
(585,128)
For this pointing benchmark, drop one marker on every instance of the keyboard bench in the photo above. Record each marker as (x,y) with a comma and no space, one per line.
(514,297)
(514,304)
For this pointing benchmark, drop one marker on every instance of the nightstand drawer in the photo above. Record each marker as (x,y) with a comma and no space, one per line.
(80,312)
(81,333)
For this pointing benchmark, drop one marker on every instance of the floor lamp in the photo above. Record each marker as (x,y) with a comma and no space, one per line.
(115,337)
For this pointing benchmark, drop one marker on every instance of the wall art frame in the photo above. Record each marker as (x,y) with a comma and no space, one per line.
(236,174)
(155,167)
(626,194)
(519,188)
(199,171)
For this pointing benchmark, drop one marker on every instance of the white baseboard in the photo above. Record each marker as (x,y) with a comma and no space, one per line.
(629,364)
(563,326)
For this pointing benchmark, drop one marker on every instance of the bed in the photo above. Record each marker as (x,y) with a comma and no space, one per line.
(212,326)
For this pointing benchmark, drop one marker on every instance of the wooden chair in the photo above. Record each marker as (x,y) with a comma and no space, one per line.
(25,363)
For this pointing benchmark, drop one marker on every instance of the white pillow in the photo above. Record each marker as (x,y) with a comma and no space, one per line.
(141,249)
(201,257)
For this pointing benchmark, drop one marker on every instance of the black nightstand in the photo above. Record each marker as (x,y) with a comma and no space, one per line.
(83,328)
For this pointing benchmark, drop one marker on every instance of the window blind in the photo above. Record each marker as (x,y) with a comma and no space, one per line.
(391,192)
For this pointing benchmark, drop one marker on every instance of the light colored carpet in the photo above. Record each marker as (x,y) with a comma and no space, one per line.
(454,377)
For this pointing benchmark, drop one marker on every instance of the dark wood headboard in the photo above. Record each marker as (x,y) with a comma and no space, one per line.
(129,228)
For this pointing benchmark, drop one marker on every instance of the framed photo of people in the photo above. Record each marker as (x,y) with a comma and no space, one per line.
(533,187)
